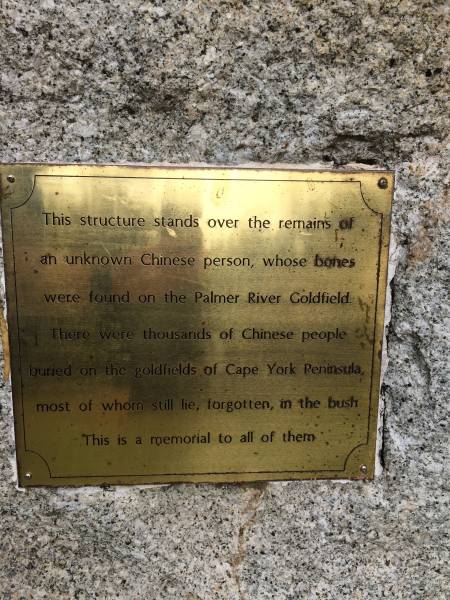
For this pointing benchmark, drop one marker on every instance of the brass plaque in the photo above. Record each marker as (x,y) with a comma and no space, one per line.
(194,324)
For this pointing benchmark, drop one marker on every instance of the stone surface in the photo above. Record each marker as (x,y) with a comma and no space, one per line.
(329,81)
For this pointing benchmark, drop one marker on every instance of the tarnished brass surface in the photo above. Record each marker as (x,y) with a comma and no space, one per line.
(253,353)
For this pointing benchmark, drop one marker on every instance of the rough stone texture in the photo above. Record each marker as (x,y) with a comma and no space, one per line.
(222,81)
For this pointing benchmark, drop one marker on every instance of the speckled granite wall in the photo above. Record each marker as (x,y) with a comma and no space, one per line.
(329,81)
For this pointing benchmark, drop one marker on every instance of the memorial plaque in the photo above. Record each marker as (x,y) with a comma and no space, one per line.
(194,324)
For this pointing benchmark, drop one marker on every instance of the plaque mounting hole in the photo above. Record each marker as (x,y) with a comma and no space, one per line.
(382,183)
(27,475)
(11,178)
(363,469)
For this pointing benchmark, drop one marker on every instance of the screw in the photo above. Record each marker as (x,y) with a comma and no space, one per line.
(28,475)
(382,183)
(363,469)
(11,178)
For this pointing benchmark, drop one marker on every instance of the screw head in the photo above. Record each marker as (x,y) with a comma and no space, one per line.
(11,178)
(363,469)
(27,475)
(382,183)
